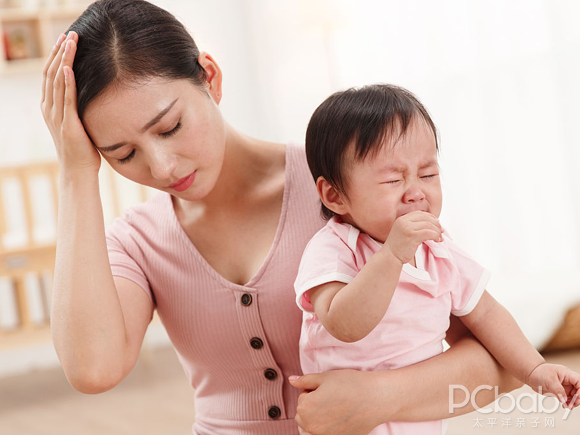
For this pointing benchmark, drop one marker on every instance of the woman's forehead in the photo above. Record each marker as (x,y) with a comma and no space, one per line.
(123,110)
(135,101)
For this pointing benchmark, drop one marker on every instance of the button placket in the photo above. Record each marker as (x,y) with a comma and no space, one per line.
(251,328)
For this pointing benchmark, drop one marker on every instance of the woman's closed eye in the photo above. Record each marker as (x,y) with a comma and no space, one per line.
(172,131)
(164,135)
(127,159)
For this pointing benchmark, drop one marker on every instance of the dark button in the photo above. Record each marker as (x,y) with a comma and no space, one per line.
(274,412)
(270,374)
(256,343)
(246,299)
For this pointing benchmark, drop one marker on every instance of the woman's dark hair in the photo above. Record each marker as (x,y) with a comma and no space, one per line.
(128,40)
(365,117)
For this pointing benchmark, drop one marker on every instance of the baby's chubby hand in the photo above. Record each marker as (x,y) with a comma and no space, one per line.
(558,380)
(409,231)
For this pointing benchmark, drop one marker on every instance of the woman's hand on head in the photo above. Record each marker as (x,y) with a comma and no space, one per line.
(74,148)
(340,402)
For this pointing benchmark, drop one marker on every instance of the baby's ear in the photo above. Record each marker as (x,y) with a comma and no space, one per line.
(331,198)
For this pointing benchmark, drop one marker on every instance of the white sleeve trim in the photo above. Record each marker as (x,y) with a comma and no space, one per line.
(476,296)
(315,282)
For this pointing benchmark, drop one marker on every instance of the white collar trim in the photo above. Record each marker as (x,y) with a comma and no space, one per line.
(418,272)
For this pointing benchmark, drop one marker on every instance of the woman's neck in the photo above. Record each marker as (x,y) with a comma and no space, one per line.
(247,163)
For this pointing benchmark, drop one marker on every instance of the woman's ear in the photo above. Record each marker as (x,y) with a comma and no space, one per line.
(332,199)
(213,75)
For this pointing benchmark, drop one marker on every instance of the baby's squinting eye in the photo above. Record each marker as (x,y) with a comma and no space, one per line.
(430,176)
(392,182)
(172,131)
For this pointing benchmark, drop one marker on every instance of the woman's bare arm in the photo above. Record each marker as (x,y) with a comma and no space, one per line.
(353,402)
(96,341)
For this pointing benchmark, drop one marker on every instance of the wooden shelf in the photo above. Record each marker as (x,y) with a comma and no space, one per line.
(25,14)
(31,34)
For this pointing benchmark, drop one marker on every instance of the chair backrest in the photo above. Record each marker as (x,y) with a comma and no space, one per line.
(23,254)
(28,208)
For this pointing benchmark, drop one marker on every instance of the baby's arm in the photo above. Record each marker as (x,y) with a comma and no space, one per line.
(350,312)
(497,330)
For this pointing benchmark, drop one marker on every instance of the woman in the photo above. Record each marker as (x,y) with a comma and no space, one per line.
(215,252)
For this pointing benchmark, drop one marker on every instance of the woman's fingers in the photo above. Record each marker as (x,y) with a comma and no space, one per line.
(48,64)
(60,88)
(70,97)
(67,59)
(51,75)
(306,382)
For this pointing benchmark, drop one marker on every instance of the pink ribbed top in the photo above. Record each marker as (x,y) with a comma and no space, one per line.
(237,344)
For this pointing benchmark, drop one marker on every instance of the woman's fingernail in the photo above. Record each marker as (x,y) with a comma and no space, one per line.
(293,378)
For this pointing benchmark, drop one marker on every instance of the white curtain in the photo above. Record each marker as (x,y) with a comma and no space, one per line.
(501,79)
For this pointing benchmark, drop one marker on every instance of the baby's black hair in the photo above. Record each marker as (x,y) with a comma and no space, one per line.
(366,117)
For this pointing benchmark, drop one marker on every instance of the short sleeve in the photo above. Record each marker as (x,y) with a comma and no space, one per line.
(473,279)
(119,245)
(327,258)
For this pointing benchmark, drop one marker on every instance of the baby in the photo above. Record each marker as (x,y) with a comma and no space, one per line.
(378,283)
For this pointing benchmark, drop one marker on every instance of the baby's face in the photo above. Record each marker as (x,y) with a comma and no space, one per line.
(401,178)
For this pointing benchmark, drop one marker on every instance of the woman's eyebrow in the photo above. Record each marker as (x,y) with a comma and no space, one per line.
(147,126)
(159,116)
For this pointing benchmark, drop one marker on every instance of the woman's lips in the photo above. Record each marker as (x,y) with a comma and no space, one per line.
(183,183)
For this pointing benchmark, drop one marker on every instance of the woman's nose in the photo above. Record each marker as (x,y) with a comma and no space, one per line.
(162,164)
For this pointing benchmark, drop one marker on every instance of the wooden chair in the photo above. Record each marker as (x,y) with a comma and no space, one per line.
(33,261)
(32,257)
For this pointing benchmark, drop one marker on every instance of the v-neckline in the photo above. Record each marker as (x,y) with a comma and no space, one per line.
(262,269)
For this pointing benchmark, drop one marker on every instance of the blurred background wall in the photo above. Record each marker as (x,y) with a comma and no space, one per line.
(500,79)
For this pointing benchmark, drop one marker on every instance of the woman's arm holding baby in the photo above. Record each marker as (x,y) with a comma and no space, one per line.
(494,326)
(352,402)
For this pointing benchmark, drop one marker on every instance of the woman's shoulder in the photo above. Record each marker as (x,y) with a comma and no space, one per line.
(288,162)
(147,217)
(296,161)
